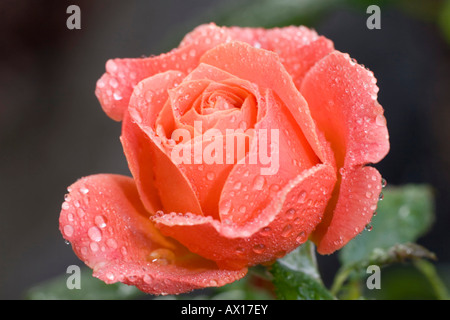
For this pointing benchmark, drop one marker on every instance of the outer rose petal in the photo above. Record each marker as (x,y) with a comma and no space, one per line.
(282,226)
(342,98)
(298,47)
(110,231)
(155,173)
(115,87)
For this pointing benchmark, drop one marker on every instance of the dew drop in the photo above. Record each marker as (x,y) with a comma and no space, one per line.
(381,196)
(117,96)
(100,221)
(259,248)
(111,243)
(274,188)
(301,197)
(94,246)
(65,206)
(68,230)
(162,256)
(266,231)
(213,283)
(110,276)
(287,230)
(147,279)
(237,185)
(111,66)
(301,237)
(80,212)
(84,190)
(242,209)
(113,82)
(258,183)
(210,176)
(67,197)
(368,194)
(95,234)
(368,227)
(383,183)
(380,120)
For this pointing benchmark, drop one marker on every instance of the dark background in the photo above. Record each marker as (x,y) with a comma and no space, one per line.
(53,131)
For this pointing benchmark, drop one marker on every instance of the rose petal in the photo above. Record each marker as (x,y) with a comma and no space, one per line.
(342,97)
(245,62)
(151,166)
(110,231)
(253,183)
(283,225)
(115,87)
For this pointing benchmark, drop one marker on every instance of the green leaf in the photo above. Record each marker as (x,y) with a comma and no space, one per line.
(403,216)
(296,277)
(444,20)
(90,289)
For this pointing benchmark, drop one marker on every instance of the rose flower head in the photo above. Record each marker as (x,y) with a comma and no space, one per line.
(242,143)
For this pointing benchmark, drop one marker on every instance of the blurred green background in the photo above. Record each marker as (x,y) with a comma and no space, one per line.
(53,131)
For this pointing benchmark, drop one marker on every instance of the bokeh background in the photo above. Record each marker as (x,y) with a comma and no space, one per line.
(53,131)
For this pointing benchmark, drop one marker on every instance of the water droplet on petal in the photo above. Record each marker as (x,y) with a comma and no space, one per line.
(94,246)
(147,279)
(111,66)
(383,183)
(65,206)
(84,190)
(380,120)
(111,243)
(287,230)
(80,212)
(210,176)
(381,196)
(68,230)
(117,96)
(368,227)
(110,276)
(301,237)
(259,248)
(237,185)
(95,234)
(258,183)
(162,256)
(301,197)
(100,221)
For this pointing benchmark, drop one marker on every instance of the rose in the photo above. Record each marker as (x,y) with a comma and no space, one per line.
(181,225)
